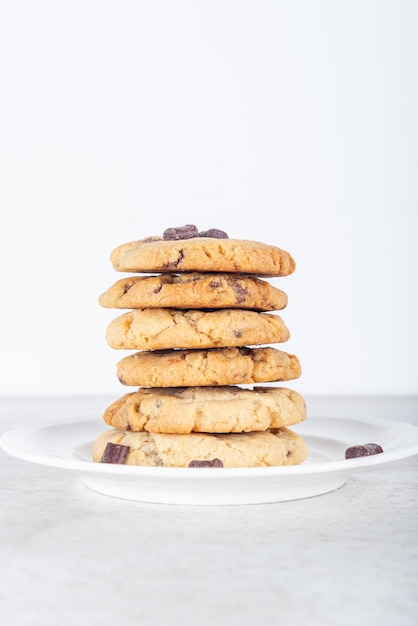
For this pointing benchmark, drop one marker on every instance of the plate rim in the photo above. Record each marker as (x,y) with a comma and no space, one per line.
(347,466)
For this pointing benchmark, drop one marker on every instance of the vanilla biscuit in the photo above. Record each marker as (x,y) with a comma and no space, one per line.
(194,291)
(205,368)
(255,449)
(206,409)
(202,254)
(160,329)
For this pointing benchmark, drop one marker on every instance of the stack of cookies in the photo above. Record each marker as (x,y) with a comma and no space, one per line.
(199,324)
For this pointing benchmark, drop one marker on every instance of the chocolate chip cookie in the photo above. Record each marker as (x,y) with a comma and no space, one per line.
(202,254)
(206,368)
(182,410)
(194,291)
(159,329)
(255,449)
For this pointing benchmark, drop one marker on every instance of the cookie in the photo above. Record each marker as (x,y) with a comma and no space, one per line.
(206,409)
(202,254)
(203,368)
(255,449)
(160,329)
(194,291)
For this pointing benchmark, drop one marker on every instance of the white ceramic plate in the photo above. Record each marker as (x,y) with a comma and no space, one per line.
(68,445)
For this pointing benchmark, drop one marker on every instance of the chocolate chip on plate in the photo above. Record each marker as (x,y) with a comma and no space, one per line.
(181,232)
(114,453)
(367,449)
(215,233)
(212,463)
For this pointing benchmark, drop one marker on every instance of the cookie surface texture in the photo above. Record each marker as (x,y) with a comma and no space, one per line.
(255,449)
(218,366)
(159,329)
(203,254)
(194,291)
(206,409)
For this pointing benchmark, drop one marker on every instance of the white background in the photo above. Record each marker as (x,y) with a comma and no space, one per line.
(294,123)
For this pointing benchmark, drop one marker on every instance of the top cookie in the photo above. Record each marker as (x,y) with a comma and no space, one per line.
(202,254)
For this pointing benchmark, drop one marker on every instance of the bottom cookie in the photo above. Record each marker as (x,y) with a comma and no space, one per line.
(279,446)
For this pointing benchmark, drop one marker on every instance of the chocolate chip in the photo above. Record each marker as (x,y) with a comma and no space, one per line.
(215,233)
(171,265)
(114,453)
(128,286)
(366,449)
(181,232)
(212,463)
(241,292)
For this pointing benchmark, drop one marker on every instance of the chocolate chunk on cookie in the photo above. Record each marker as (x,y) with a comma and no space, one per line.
(114,453)
(215,233)
(211,463)
(181,232)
